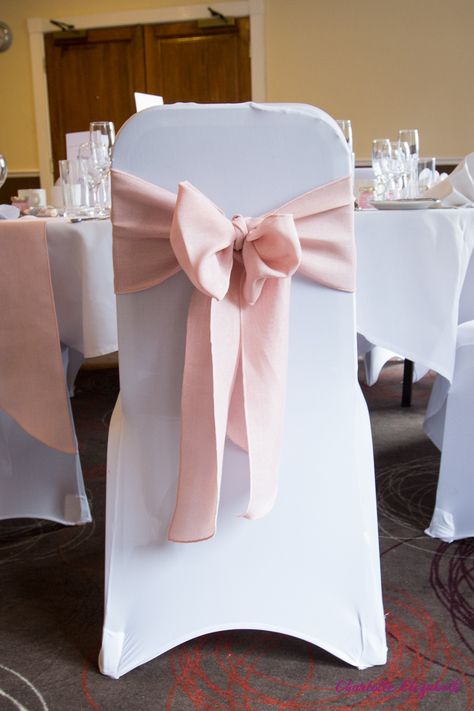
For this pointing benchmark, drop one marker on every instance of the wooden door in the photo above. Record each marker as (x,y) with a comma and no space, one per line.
(92,75)
(188,62)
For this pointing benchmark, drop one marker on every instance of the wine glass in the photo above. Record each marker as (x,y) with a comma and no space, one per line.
(101,139)
(94,177)
(410,136)
(3,170)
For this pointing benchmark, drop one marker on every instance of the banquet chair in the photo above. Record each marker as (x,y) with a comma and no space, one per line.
(304,560)
(449,422)
(40,471)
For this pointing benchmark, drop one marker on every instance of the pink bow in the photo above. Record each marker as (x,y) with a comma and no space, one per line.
(206,244)
(237,331)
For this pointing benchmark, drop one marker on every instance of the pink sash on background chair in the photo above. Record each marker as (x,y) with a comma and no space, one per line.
(237,332)
(32,383)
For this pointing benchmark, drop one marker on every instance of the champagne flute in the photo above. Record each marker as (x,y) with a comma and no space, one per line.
(411,136)
(400,167)
(381,163)
(3,170)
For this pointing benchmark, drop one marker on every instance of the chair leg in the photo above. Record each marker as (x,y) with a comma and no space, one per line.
(407,382)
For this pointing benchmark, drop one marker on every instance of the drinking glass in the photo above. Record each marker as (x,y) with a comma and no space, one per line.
(3,170)
(411,136)
(75,187)
(382,165)
(101,139)
(426,174)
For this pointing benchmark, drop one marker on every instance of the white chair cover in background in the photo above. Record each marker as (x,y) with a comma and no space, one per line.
(449,423)
(37,481)
(310,568)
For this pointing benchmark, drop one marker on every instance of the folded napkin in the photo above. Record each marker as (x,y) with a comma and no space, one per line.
(9,212)
(457,190)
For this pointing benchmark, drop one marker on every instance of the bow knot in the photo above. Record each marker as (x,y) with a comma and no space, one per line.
(206,243)
(241,231)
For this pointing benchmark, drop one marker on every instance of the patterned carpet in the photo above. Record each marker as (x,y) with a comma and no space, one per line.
(52,586)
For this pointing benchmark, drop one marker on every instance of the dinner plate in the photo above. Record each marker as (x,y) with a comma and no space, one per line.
(406,204)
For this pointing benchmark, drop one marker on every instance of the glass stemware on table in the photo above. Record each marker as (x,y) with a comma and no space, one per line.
(101,139)
(3,170)
(346,127)
(395,166)
(411,136)
(95,156)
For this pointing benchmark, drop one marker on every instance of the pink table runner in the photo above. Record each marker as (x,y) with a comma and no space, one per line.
(32,383)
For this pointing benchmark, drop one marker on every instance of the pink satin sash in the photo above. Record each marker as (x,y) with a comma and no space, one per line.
(32,383)
(237,331)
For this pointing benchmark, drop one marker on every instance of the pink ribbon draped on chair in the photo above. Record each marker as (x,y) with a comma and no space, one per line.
(32,382)
(237,331)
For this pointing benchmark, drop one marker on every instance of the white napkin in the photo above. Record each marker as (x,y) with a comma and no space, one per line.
(457,190)
(9,212)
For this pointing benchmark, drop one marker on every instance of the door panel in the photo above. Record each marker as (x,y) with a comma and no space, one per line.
(91,77)
(185,62)
(92,74)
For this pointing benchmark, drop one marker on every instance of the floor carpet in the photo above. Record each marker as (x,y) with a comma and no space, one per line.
(51,591)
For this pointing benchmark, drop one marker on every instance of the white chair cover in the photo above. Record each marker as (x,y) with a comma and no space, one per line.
(449,423)
(310,568)
(37,481)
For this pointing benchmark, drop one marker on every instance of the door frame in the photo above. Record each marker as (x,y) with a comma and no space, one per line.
(38,27)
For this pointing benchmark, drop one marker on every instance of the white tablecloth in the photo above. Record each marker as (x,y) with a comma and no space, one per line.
(415,282)
(82,277)
(410,275)
(411,287)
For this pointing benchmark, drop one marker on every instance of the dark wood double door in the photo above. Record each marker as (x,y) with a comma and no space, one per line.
(92,74)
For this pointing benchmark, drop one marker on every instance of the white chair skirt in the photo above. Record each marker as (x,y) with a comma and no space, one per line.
(37,481)
(310,568)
